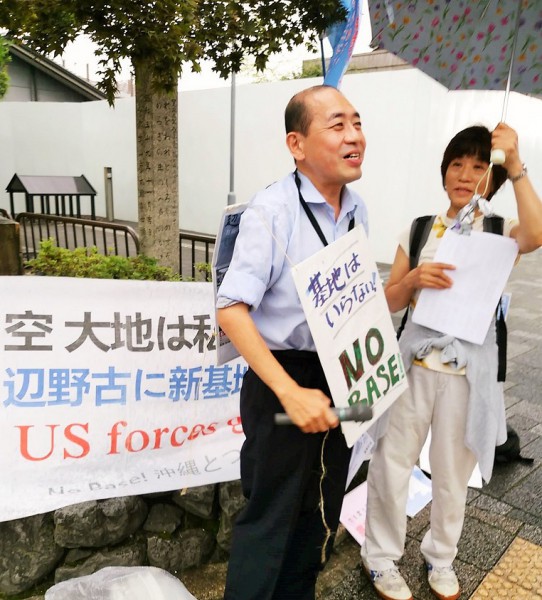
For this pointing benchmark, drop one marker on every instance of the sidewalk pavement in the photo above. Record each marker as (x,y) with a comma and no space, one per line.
(500,551)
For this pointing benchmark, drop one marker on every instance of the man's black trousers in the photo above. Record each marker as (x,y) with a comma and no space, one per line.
(278,537)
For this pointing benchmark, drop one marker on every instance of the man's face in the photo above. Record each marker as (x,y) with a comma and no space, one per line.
(332,151)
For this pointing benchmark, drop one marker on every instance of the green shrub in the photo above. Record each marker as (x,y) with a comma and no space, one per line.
(88,262)
(311,70)
(205,270)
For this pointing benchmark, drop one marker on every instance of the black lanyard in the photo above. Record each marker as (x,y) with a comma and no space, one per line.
(312,218)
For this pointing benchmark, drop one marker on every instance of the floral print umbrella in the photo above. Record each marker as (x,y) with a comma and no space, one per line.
(465,44)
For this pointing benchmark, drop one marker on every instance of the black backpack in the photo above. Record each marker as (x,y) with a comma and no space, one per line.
(510,451)
(419,232)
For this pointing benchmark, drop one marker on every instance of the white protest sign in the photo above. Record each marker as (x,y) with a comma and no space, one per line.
(111,388)
(343,299)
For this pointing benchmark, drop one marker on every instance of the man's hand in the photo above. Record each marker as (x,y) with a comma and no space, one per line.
(309,409)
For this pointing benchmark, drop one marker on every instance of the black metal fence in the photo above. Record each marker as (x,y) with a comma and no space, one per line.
(71,232)
(196,249)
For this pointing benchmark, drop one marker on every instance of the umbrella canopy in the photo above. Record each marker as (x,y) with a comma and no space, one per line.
(465,44)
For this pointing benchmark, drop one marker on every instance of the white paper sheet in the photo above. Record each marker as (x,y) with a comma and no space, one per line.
(483,264)
(420,492)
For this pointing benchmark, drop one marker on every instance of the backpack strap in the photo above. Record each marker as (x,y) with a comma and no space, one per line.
(495,224)
(419,232)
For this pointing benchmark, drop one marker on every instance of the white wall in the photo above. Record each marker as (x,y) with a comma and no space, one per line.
(407,117)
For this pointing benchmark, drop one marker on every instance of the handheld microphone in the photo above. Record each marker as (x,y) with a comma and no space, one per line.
(356,412)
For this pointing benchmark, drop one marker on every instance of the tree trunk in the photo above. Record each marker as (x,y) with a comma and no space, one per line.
(157,170)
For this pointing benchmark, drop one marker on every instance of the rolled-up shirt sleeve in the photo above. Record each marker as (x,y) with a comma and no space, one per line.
(258,256)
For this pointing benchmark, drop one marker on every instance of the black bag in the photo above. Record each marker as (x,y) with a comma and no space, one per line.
(510,451)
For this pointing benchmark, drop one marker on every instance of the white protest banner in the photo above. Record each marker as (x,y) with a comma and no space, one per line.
(111,388)
(342,296)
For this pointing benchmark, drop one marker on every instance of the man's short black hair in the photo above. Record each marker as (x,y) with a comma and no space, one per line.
(297,116)
(473,141)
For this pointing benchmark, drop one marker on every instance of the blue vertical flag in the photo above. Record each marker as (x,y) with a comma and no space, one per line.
(342,37)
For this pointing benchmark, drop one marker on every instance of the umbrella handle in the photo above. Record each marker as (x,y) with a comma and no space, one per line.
(497,156)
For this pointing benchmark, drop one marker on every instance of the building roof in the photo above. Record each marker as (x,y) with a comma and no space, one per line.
(44,185)
(54,70)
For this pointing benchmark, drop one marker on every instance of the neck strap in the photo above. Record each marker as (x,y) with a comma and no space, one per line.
(310,214)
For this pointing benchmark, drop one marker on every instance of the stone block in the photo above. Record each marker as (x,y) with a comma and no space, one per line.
(10,248)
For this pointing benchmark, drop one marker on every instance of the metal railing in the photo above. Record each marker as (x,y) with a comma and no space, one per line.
(109,238)
(195,248)
(71,233)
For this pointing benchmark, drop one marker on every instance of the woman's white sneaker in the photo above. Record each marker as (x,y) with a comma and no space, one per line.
(443,582)
(389,584)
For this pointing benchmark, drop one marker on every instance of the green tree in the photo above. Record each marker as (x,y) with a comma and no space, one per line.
(4,59)
(161,38)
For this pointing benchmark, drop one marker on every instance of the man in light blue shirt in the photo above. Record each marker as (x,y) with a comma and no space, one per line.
(284,535)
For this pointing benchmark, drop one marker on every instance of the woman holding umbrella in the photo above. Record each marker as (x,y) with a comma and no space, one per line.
(448,397)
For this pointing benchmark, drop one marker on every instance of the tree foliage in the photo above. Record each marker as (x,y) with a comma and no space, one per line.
(169,35)
(4,59)
(161,38)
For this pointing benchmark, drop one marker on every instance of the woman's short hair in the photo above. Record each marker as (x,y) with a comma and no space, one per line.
(473,141)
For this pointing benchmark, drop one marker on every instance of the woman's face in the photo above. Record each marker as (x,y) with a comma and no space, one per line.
(465,176)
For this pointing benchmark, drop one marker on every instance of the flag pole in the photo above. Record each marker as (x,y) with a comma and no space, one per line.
(231,195)
(322,55)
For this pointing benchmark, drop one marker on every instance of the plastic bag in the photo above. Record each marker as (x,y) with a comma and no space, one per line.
(121,583)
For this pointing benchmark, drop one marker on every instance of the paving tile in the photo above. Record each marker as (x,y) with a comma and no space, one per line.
(532,357)
(532,530)
(522,415)
(418,524)
(487,503)
(516,349)
(481,544)
(506,476)
(528,496)
(517,575)
(500,521)
(509,398)
(494,587)
(533,448)
(519,372)
(355,585)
